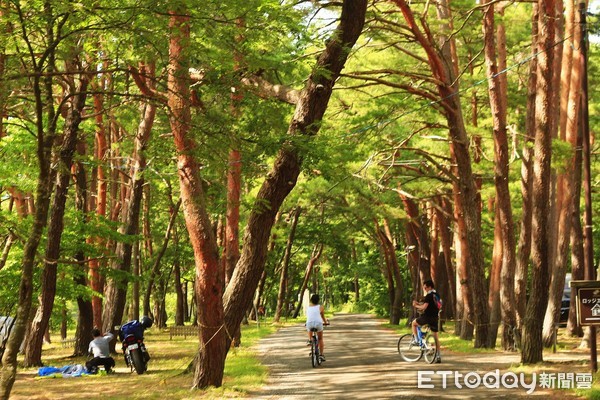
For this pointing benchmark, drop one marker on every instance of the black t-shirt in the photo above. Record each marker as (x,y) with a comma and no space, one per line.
(431,310)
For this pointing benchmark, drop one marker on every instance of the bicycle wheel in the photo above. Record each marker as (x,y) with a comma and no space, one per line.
(408,351)
(318,355)
(429,353)
(314,352)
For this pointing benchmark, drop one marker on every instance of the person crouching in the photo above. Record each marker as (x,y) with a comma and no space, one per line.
(99,347)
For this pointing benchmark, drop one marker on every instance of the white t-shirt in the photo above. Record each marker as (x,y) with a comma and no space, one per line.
(313,314)
(100,345)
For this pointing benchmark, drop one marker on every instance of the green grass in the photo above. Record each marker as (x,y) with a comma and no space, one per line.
(165,378)
(594,392)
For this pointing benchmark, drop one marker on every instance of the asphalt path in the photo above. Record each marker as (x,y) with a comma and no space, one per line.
(363,363)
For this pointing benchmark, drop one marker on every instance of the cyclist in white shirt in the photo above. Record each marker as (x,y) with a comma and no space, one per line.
(315,318)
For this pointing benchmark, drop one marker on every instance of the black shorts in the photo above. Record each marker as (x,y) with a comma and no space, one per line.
(431,321)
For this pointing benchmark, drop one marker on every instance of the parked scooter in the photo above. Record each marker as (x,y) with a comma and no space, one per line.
(131,336)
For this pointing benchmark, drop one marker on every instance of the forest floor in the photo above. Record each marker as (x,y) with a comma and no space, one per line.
(165,378)
(363,363)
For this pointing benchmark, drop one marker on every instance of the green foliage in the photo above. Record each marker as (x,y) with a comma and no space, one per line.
(383,133)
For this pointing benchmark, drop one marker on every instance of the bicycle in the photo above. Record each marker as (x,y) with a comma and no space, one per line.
(413,352)
(315,354)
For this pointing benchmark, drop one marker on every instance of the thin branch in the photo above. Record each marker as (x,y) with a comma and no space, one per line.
(140,81)
(410,89)
(388,71)
(266,89)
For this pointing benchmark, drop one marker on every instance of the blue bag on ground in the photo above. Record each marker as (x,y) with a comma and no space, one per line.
(68,371)
(45,371)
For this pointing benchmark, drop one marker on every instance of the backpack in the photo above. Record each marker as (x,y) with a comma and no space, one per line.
(134,328)
(438,300)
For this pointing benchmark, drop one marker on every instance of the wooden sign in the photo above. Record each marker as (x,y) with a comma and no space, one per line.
(587,297)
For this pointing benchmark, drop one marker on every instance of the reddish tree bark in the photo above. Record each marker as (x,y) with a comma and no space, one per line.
(96,281)
(495,280)
(18,200)
(571,62)
(232,241)
(524,244)
(393,273)
(495,56)
(465,192)
(532,328)
(40,323)
(116,288)
(234,176)
(281,179)
(210,359)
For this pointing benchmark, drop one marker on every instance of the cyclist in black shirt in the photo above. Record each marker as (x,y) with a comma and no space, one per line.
(429,315)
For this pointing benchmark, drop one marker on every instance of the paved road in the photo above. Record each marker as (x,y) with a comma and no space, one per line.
(363,363)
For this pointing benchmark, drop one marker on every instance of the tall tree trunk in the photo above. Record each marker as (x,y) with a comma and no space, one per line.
(576,234)
(258,295)
(412,260)
(385,267)
(146,225)
(180,293)
(116,288)
(556,182)
(464,315)
(532,328)
(495,273)
(498,95)
(40,323)
(465,192)
(101,148)
(135,289)
(442,213)
(210,359)
(154,271)
(234,174)
(314,257)
(283,280)
(434,257)
(45,113)
(417,236)
(566,179)
(393,269)
(63,317)
(525,233)
(281,179)
(85,317)
(232,242)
